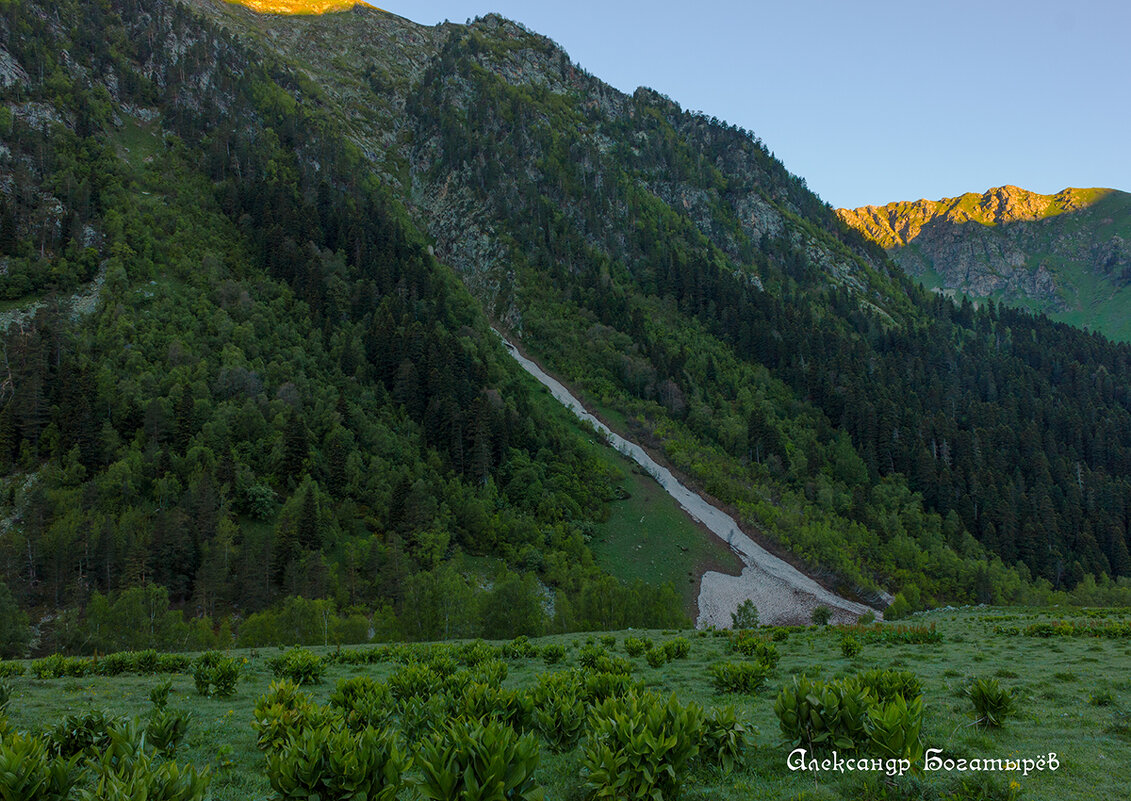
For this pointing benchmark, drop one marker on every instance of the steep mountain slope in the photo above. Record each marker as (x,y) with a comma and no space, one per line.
(1065,254)
(671,269)
(284,391)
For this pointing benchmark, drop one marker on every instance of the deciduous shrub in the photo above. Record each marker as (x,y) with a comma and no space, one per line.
(216,674)
(166,729)
(822,615)
(29,771)
(640,746)
(471,759)
(850,647)
(724,738)
(992,702)
(657,657)
(738,677)
(636,646)
(677,648)
(300,666)
(323,763)
(87,733)
(552,653)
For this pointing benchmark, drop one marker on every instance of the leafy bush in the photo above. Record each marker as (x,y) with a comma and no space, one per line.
(597,687)
(88,733)
(814,715)
(57,665)
(850,647)
(552,653)
(159,695)
(322,763)
(749,644)
(639,746)
(166,729)
(866,619)
(476,651)
(822,615)
(677,648)
(746,616)
(142,778)
(11,669)
(28,771)
(609,641)
(282,713)
(559,718)
(992,702)
(724,738)
(414,681)
(364,702)
(738,677)
(300,666)
(472,759)
(5,696)
(894,727)
(216,674)
(484,702)
(657,657)
(636,646)
(886,685)
(521,648)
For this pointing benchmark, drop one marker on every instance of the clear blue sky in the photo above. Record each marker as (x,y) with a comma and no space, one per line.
(872,101)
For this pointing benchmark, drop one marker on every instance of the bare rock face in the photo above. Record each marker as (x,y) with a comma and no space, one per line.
(1013,245)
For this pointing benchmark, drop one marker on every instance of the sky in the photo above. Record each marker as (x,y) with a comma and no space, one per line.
(872,101)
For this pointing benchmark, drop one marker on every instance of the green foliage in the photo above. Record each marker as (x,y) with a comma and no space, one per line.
(159,695)
(521,648)
(28,771)
(87,734)
(636,646)
(142,778)
(992,702)
(282,713)
(850,647)
(746,616)
(8,669)
(336,765)
(558,716)
(821,615)
(552,653)
(738,677)
(414,680)
(471,759)
(640,747)
(749,644)
(656,657)
(166,729)
(216,674)
(822,716)
(894,727)
(14,631)
(57,665)
(5,696)
(886,685)
(724,738)
(677,648)
(300,666)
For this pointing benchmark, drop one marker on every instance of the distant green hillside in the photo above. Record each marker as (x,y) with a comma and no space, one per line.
(1067,255)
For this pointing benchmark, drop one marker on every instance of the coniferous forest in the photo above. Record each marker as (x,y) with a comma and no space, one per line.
(260,391)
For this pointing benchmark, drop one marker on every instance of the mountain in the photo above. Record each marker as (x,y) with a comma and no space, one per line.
(251,265)
(1066,255)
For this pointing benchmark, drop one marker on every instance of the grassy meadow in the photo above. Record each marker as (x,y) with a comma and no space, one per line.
(1074,698)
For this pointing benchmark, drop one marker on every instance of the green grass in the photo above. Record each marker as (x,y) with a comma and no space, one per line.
(1057,716)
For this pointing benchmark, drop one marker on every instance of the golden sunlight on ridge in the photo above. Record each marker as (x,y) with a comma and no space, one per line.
(296,6)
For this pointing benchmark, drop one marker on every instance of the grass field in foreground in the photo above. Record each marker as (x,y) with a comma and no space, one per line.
(1076,702)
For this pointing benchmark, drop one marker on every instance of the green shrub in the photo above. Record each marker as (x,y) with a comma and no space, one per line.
(894,727)
(866,619)
(414,681)
(364,702)
(28,771)
(282,713)
(300,666)
(216,674)
(677,648)
(484,702)
(636,646)
(87,733)
(553,653)
(657,657)
(166,729)
(724,738)
(472,759)
(521,648)
(590,654)
(750,644)
(746,616)
(886,685)
(321,763)
(822,615)
(159,695)
(639,747)
(816,715)
(8,669)
(491,671)
(559,718)
(596,687)
(57,665)
(609,641)
(992,702)
(5,696)
(476,651)
(738,677)
(850,647)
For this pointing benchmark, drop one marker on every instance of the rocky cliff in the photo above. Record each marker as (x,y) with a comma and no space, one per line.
(1065,254)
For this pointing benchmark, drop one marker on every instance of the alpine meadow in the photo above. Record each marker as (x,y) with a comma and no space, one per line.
(392,411)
